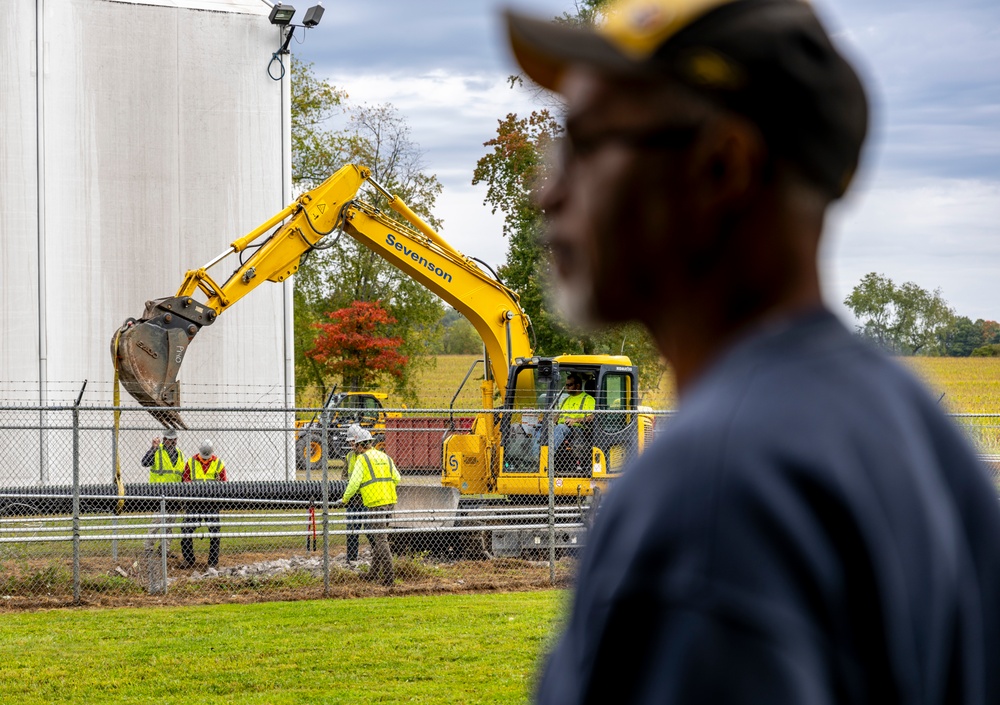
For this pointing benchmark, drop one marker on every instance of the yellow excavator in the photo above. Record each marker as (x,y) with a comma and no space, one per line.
(506,452)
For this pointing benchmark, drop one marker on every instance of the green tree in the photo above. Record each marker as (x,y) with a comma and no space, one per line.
(902,319)
(315,153)
(961,337)
(316,148)
(513,169)
(991,331)
(992,350)
(460,337)
(330,279)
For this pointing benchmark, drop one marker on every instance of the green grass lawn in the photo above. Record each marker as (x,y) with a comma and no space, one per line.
(441,649)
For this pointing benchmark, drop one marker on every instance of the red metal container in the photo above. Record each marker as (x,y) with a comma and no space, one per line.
(414,442)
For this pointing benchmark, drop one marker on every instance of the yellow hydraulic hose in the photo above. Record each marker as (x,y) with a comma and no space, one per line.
(117,415)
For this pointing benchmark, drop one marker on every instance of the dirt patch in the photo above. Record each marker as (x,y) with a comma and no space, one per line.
(266,578)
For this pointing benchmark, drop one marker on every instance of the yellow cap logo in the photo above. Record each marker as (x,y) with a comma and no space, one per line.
(709,68)
(639,27)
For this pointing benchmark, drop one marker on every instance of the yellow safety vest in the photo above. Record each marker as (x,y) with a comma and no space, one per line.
(581,401)
(200,474)
(163,470)
(348,465)
(379,478)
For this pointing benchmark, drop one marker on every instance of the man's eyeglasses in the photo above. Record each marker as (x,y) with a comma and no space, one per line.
(663,137)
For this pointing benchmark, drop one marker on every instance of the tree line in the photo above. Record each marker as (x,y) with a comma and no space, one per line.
(906,319)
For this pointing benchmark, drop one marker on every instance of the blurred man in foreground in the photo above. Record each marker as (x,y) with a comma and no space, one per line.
(811,528)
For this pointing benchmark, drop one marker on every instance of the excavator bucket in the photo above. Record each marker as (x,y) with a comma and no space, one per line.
(439,506)
(148,353)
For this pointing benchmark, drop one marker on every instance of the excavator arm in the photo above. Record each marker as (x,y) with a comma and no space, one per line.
(424,256)
(148,351)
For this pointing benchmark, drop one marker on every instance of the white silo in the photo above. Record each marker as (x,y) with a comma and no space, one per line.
(137,140)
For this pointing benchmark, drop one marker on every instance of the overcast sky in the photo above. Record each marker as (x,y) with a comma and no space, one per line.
(924,208)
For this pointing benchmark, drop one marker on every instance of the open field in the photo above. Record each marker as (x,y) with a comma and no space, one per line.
(970,385)
(443,649)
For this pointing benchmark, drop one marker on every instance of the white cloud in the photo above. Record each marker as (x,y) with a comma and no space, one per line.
(450,117)
(938,233)
(927,203)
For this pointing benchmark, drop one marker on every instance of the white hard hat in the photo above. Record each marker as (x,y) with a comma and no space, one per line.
(170,433)
(206,448)
(356,434)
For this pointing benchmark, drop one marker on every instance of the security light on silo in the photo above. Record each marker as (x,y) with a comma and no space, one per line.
(281,14)
(313,15)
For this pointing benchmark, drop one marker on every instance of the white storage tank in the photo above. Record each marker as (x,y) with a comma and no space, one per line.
(137,140)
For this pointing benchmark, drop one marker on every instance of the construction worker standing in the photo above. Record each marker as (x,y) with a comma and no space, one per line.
(355,509)
(204,466)
(375,476)
(166,465)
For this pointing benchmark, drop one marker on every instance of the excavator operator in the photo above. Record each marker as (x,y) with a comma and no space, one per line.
(573,408)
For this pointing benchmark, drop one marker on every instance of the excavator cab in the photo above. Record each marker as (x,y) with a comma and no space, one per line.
(594,448)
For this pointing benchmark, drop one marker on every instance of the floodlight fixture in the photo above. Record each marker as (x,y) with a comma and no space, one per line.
(313,15)
(282,14)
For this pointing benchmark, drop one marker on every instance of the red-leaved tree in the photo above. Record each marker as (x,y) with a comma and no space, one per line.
(355,346)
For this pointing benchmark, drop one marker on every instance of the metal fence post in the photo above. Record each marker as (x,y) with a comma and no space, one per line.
(289,445)
(43,450)
(163,542)
(76,506)
(324,443)
(114,477)
(550,466)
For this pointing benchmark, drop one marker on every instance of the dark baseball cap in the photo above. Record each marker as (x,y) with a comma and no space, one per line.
(770,60)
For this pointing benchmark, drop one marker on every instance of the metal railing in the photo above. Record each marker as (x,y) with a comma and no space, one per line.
(68,533)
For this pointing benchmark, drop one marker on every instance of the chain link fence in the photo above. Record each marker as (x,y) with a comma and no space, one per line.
(82,519)
(478,507)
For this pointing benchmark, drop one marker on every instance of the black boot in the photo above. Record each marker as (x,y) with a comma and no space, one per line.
(187,550)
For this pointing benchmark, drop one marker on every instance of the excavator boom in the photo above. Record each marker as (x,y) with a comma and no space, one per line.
(148,351)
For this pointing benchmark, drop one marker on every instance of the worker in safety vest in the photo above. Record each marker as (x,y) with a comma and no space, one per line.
(573,413)
(355,509)
(166,465)
(164,460)
(204,466)
(374,475)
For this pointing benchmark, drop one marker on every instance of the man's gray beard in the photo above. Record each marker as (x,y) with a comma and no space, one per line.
(574,301)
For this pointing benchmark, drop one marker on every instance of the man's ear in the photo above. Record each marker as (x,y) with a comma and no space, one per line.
(726,164)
